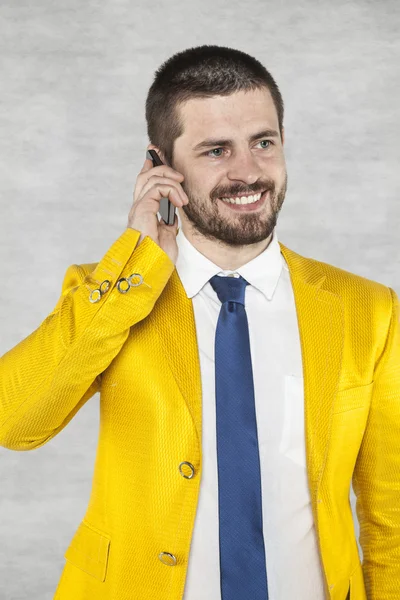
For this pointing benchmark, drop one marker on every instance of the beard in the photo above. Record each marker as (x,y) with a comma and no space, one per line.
(234,229)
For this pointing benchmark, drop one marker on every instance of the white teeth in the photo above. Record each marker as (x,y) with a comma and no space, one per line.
(243,199)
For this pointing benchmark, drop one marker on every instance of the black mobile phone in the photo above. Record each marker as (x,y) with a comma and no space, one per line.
(167,209)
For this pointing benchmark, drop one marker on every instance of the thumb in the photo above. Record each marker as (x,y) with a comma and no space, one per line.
(170,229)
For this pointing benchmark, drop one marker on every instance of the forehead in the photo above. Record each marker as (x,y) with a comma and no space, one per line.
(239,110)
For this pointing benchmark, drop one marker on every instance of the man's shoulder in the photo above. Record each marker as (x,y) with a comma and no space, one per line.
(338,280)
(339,277)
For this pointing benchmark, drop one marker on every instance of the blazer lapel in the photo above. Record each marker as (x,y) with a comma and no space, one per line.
(320,315)
(172,318)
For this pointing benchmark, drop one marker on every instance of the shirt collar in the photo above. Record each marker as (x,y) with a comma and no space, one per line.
(262,272)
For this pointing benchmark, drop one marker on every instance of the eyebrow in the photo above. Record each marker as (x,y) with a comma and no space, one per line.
(210,142)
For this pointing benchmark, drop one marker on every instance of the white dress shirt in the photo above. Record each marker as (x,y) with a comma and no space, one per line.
(291,546)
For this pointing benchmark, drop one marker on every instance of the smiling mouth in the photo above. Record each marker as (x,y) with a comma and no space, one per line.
(252,205)
(236,196)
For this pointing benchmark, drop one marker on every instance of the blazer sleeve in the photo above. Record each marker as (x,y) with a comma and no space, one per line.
(47,377)
(376,479)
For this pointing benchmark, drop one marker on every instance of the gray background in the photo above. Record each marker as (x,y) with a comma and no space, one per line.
(74,79)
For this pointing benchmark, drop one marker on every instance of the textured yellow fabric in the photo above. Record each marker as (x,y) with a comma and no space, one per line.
(139,350)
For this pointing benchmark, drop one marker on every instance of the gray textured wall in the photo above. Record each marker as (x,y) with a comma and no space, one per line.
(74,79)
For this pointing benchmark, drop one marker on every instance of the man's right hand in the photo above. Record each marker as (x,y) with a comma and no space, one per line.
(152,184)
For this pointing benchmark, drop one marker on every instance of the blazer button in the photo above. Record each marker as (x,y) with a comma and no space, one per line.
(121,289)
(186,469)
(103,291)
(129,281)
(167,559)
(95,296)
(133,276)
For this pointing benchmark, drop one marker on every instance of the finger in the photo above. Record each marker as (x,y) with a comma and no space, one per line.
(168,229)
(175,223)
(147,165)
(155,181)
(160,171)
(150,202)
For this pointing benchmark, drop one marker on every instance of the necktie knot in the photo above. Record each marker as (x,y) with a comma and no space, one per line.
(229,289)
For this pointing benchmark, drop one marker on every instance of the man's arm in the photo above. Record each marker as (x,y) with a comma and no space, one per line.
(48,376)
(376,479)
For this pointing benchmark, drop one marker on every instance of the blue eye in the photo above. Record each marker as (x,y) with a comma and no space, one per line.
(208,153)
(214,149)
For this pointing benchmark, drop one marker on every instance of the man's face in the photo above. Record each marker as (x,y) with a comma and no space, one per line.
(240,166)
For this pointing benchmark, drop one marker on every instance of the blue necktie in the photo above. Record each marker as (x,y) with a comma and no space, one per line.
(241,540)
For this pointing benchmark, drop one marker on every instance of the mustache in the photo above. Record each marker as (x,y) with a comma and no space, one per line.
(237,191)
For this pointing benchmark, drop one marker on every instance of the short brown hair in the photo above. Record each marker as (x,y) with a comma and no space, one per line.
(201,72)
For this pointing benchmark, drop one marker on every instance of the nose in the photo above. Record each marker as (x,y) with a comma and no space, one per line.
(243,166)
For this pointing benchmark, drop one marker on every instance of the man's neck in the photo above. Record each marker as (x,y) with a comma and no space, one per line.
(227,258)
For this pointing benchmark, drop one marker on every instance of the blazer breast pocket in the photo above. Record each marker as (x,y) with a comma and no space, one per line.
(293,443)
(353,398)
(89,551)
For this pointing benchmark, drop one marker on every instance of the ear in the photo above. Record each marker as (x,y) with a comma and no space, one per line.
(283,135)
(159,152)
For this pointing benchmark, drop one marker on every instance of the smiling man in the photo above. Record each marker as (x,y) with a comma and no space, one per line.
(236,179)
(243,387)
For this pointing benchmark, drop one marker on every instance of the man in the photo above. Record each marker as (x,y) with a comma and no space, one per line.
(242,386)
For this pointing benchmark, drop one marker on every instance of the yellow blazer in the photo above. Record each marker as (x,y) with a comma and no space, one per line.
(139,350)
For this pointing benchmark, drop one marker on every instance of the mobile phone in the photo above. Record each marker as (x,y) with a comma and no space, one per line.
(167,209)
